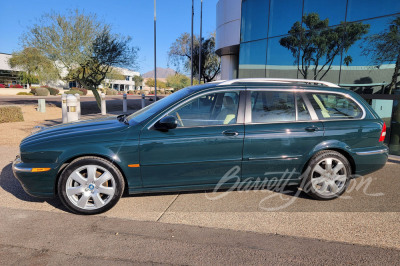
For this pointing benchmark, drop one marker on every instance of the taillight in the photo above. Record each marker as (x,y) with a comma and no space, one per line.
(383,133)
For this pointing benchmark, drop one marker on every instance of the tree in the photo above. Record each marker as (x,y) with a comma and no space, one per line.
(385,48)
(178,81)
(81,45)
(180,53)
(138,81)
(35,65)
(114,74)
(160,84)
(316,46)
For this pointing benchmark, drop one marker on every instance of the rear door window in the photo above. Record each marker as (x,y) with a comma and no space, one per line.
(329,106)
(272,106)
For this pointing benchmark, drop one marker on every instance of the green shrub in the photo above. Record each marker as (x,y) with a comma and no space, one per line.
(24,93)
(52,91)
(83,90)
(42,92)
(131,92)
(111,92)
(10,114)
(33,91)
(74,92)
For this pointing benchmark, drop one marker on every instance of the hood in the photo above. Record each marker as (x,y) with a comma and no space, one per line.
(84,128)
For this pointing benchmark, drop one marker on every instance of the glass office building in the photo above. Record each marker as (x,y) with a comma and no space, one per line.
(353,43)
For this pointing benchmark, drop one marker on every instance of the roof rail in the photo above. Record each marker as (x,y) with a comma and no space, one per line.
(281,80)
(216,81)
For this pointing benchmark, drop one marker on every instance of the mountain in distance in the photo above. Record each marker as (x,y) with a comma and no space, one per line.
(161,73)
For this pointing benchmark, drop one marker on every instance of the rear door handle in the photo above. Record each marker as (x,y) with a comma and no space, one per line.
(311,129)
(230,133)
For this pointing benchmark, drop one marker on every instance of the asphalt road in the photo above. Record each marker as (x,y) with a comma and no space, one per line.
(190,228)
(88,104)
(39,237)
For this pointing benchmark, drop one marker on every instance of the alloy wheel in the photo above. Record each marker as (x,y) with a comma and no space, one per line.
(329,176)
(90,187)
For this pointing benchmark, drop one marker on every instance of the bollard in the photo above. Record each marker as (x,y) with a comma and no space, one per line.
(143,101)
(64,108)
(42,105)
(72,114)
(103,104)
(124,104)
(78,105)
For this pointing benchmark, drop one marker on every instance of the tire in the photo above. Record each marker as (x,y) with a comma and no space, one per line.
(324,182)
(90,185)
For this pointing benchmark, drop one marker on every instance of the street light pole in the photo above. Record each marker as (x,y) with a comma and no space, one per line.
(201,41)
(155,54)
(191,58)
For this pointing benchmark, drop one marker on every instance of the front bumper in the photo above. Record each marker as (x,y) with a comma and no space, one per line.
(36,184)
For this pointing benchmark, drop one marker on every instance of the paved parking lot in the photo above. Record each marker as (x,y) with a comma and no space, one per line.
(368,215)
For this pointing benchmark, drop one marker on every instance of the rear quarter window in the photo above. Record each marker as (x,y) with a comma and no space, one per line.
(330,106)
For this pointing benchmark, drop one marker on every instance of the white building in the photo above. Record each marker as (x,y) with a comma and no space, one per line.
(9,75)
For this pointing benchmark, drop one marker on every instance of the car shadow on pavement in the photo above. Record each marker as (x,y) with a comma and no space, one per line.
(11,185)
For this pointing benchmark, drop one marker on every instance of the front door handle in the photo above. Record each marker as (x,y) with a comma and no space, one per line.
(311,129)
(230,133)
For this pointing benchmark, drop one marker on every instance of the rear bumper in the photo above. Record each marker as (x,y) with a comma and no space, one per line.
(39,184)
(370,160)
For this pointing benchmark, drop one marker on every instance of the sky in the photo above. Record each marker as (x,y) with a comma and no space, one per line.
(130,18)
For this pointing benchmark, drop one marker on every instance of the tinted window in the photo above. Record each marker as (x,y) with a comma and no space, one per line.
(302,111)
(252,57)
(334,106)
(211,109)
(254,20)
(272,106)
(282,18)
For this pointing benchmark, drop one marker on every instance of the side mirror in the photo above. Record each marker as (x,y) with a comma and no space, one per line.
(166,123)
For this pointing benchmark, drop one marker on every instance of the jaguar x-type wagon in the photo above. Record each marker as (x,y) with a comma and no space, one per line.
(321,134)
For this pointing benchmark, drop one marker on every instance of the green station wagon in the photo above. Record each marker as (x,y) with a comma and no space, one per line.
(322,134)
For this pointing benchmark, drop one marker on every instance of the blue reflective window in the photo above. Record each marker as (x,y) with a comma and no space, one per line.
(280,61)
(335,11)
(360,71)
(254,20)
(364,9)
(252,57)
(283,15)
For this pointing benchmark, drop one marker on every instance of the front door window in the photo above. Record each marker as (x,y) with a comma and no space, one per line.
(212,109)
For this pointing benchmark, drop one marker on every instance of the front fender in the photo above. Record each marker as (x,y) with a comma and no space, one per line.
(119,153)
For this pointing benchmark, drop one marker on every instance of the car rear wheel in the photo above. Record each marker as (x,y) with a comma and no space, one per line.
(327,175)
(90,185)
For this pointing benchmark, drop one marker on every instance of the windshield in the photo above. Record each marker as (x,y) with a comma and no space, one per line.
(148,111)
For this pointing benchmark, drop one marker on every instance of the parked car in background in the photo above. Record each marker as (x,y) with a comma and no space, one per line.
(323,134)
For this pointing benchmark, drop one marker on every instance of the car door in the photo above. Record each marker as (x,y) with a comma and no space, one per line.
(207,143)
(281,131)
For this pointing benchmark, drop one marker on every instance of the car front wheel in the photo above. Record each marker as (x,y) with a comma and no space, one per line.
(90,185)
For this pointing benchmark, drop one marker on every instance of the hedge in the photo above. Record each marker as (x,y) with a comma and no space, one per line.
(10,114)
(16,86)
(73,92)
(111,92)
(41,92)
(83,90)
